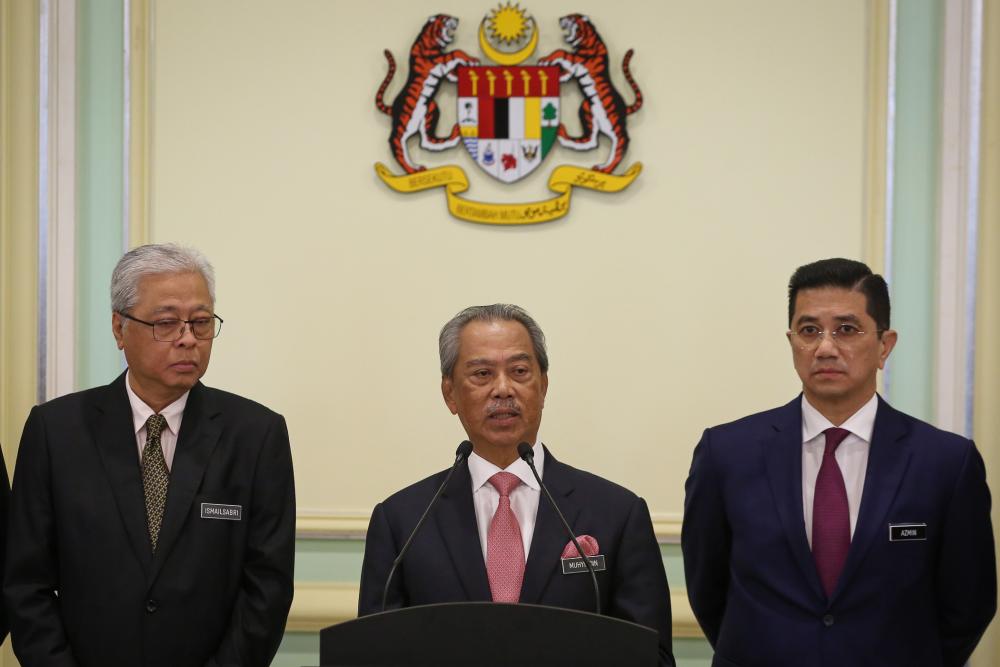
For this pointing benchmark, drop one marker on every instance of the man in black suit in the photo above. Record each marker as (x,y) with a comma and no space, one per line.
(491,536)
(836,530)
(152,520)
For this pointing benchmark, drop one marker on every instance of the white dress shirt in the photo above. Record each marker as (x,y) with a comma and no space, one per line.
(851,455)
(173,413)
(523,499)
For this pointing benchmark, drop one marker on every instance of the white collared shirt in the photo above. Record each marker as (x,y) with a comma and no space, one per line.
(523,499)
(141,412)
(851,455)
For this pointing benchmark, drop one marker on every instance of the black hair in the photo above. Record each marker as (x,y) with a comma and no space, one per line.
(846,273)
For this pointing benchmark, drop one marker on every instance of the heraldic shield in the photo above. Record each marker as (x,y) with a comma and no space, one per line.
(509,117)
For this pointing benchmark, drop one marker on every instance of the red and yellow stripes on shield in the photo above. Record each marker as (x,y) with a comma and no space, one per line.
(497,102)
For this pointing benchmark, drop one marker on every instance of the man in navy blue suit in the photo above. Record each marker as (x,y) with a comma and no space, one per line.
(836,530)
(491,536)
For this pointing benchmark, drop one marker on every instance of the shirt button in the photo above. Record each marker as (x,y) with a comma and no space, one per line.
(828,620)
(152,605)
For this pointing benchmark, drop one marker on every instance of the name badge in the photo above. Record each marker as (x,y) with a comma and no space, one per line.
(576,565)
(907,532)
(219,511)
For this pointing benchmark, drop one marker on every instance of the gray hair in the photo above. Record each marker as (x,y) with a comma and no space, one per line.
(448,340)
(152,259)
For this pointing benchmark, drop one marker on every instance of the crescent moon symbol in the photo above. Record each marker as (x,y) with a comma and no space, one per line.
(508,58)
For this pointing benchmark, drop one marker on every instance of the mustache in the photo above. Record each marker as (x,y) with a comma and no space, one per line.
(504,405)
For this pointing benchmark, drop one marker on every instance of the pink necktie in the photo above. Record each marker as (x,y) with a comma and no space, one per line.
(831,529)
(504,547)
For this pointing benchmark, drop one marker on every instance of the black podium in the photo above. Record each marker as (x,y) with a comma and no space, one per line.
(485,634)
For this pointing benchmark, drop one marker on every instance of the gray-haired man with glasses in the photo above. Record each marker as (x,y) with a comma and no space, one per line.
(836,530)
(152,520)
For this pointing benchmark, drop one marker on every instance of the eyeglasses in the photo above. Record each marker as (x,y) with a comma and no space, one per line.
(171,330)
(845,335)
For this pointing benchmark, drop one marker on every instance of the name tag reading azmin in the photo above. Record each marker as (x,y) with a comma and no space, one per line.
(219,511)
(907,532)
(575,565)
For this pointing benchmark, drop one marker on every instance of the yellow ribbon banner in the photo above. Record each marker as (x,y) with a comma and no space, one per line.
(562,181)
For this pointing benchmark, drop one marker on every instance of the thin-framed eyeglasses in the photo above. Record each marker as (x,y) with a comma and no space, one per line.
(172,329)
(810,335)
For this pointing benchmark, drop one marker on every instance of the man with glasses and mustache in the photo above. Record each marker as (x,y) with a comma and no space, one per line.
(836,530)
(491,536)
(152,520)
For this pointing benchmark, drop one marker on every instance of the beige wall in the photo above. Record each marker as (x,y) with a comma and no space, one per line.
(663,306)
(987,373)
(18,237)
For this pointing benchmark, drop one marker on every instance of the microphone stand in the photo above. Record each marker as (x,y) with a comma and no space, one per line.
(461,454)
(525,452)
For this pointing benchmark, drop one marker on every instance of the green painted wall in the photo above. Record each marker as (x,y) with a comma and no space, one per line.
(100,184)
(910,375)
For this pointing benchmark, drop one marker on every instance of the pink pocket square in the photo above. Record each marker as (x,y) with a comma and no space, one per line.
(588,543)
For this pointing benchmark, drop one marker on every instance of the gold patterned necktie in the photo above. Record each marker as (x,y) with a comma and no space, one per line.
(154,476)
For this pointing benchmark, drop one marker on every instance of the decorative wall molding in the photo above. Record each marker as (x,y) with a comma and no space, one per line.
(57,198)
(352,526)
(138,123)
(319,604)
(958,215)
(878,125)
(331,526)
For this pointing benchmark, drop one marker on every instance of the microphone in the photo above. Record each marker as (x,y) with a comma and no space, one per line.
(461,454)
(525,451)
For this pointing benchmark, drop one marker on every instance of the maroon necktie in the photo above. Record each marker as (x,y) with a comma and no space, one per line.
(831,528)
(504,546)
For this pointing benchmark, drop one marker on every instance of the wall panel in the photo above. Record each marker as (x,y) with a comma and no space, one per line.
(664,306)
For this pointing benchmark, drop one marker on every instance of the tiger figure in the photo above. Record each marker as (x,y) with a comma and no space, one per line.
(414,109)
(603,111)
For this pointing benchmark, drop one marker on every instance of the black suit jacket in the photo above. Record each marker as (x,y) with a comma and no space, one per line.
(82,585)
(751,577)
(445,562)
(4,511)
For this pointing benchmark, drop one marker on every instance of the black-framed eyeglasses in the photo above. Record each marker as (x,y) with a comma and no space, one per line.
(172,329)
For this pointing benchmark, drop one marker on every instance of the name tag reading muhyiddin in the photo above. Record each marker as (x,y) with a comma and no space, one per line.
(221,511)
(576,565)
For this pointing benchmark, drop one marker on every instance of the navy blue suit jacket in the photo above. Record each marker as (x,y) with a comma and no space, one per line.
(445,562)
(751,578)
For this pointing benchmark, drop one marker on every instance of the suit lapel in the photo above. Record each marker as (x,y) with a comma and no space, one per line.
(456,521)
(888,458)
(550,537)
(115,440)
(783,462)
(200,431)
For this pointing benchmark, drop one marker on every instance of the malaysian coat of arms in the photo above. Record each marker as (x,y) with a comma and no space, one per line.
(508,113)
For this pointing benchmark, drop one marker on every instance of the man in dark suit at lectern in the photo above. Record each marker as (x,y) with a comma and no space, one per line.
(836,530)
(152,520)
(491,536)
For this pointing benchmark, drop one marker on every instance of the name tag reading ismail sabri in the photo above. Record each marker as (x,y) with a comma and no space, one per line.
(220,511)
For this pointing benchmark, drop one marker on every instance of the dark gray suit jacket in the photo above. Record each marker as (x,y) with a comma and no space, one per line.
(82,585)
